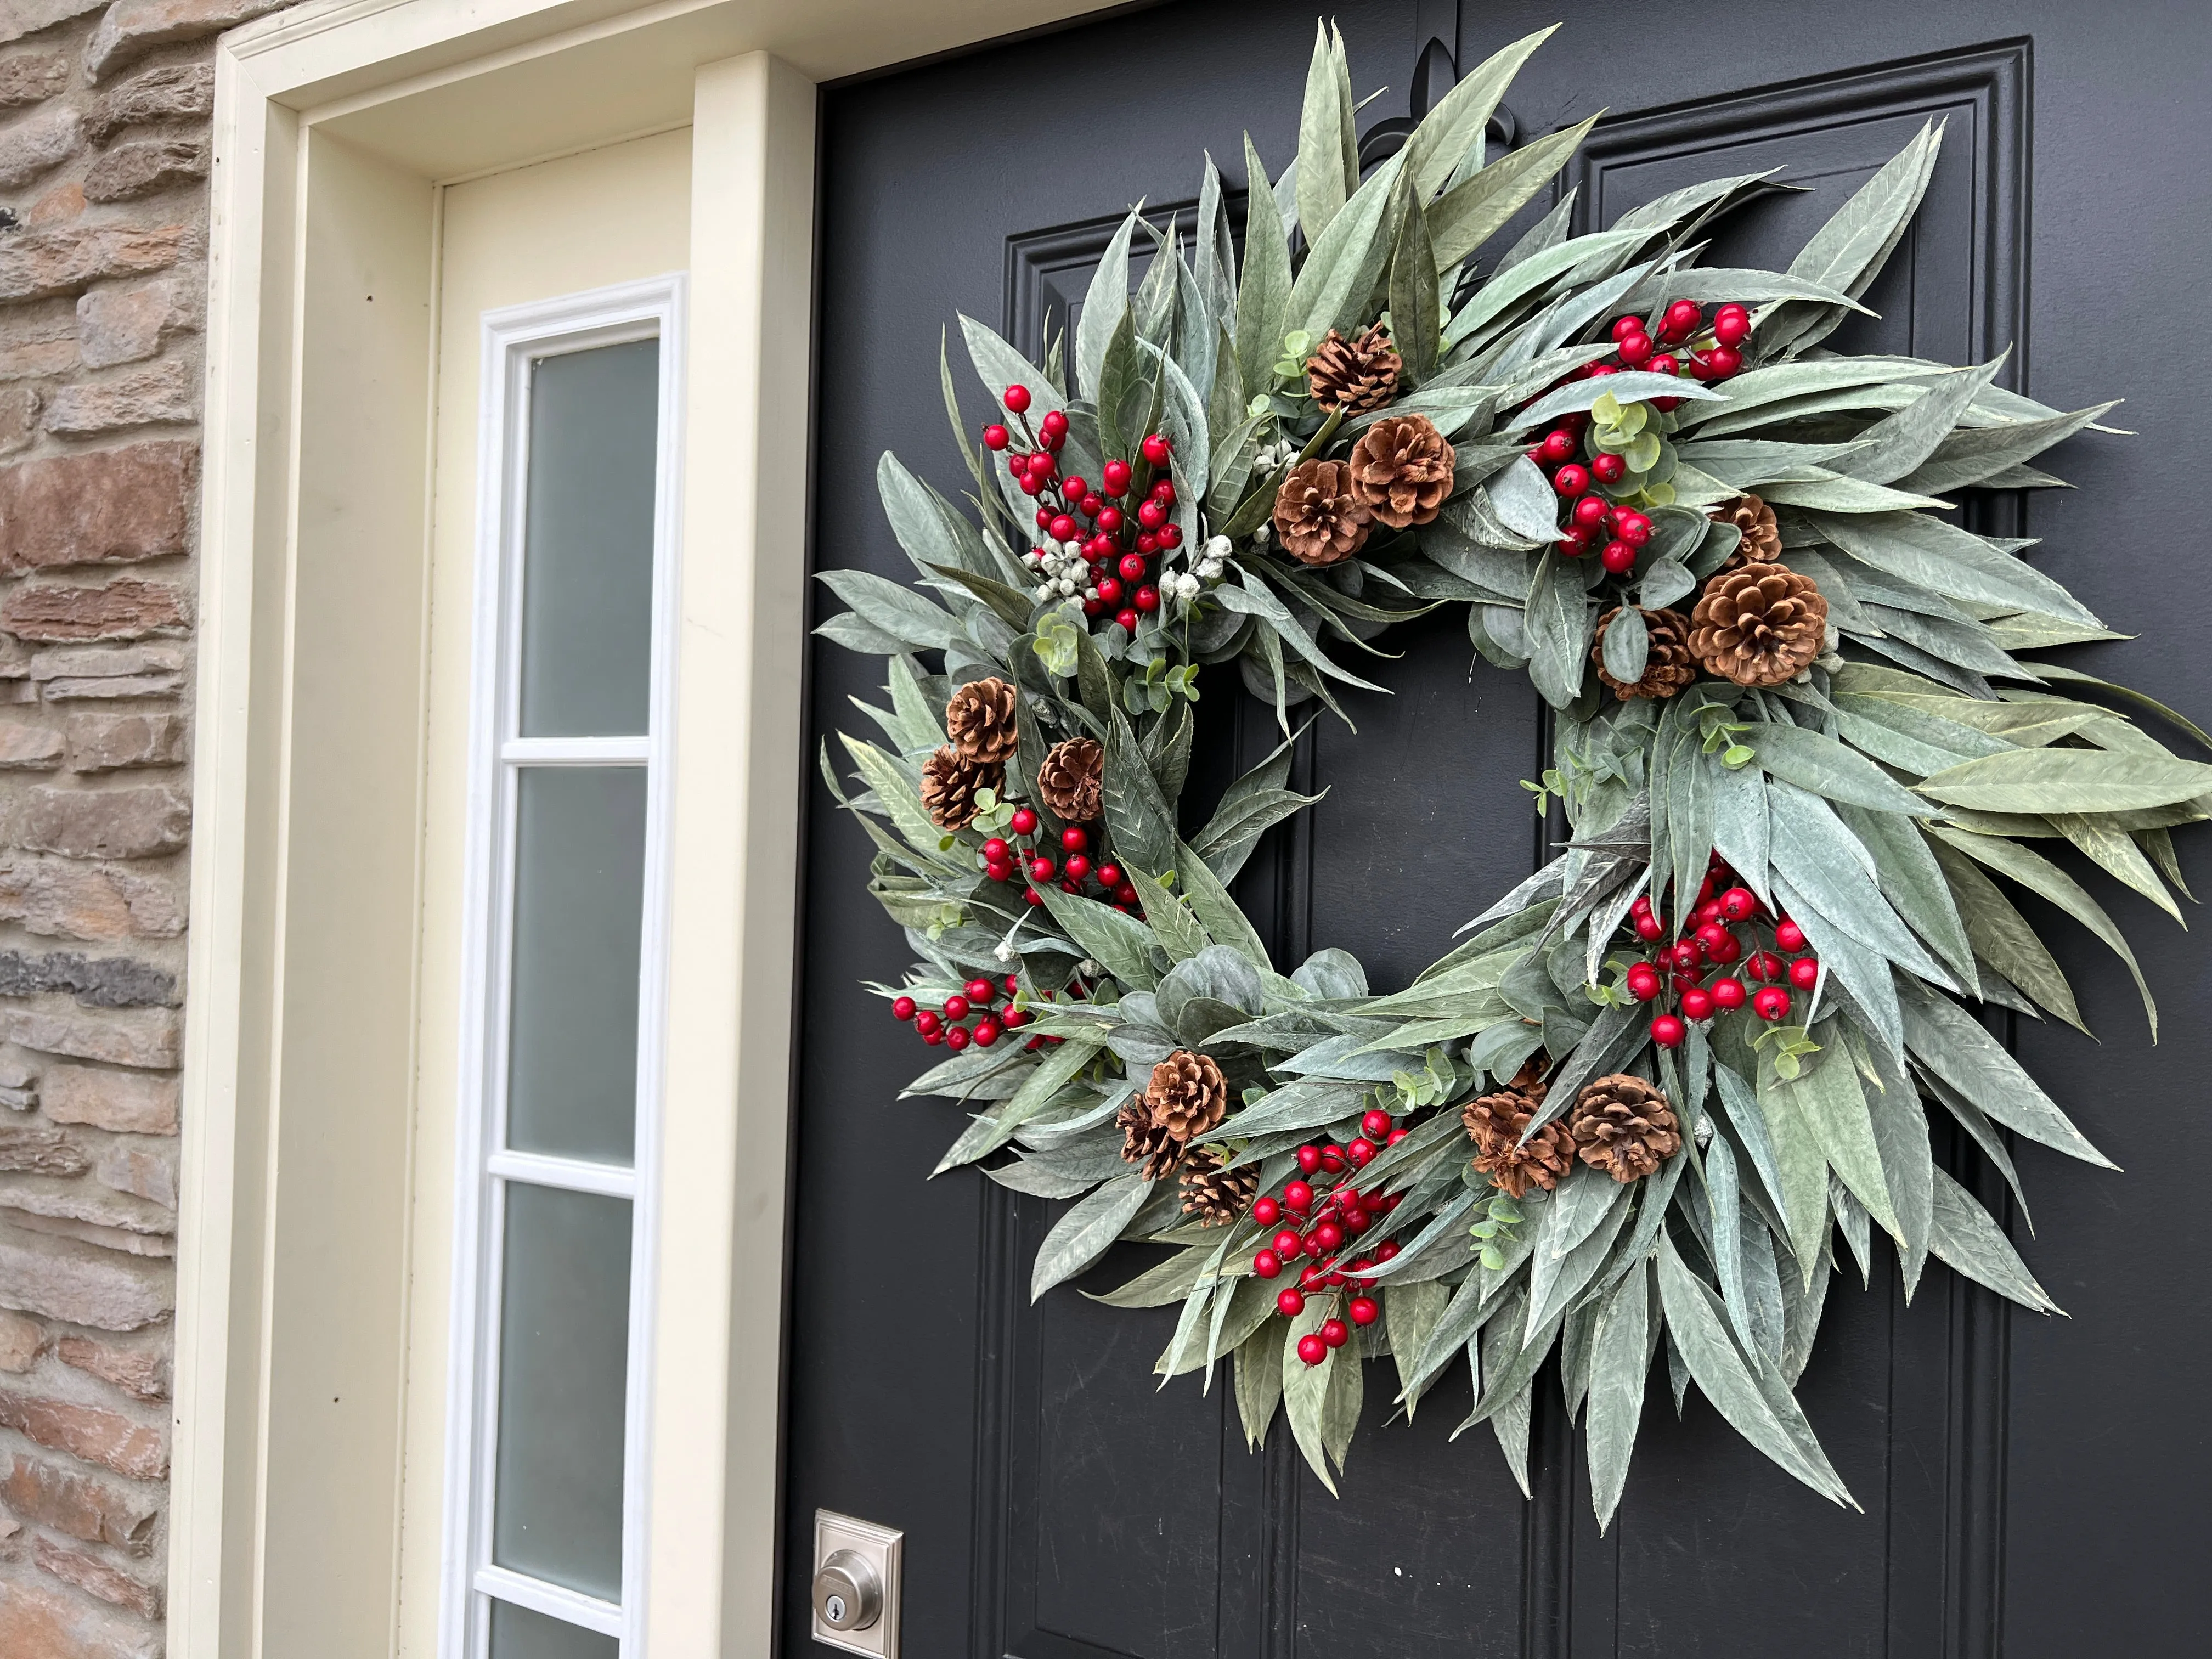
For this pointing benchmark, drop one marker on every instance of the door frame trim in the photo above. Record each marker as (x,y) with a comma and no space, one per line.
(335,126)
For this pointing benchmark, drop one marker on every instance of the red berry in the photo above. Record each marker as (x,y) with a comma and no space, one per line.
(1025,822)
(1571,480)
(1360,1153)
(1131,567)
(932,1038)
(1327,1234)
(1648,926)
(1636,350)
(1633,528)
(1731,326)
(1364,1311)
(1267,1211)
(1311,1278)
(1599,371)
(1558,447)
(1624,326)
(1148,599)
(1267,1264)
(1109,875)
(1697,1003)
(1723,361)
(996,850)
(1315,1247)
(1164,492)
(1062,528)
(1109,592)
(1376,1124)
(956,1037)
(1683,317)
(1334,1332)
(1018,399)
(1170,537)
(1289,1303)
(1312,1349)
(956,1006)
(1014,1017)
(1077,867)
(926,1020)
(1619,558)
(1668,1031)
(1157,449)
(1805,973)
(987,1032)
(1643,983)
(1152,514)
(1397,1135)
(1042,869)
(1726,949)
(1686,954)
(1053,440)
(1591,513)
(1708,910)
(980,992)
(1287,1242)
(902,1008)
(1074,839)
(1710,934)
(1332,1159)
(1609,468)
(1298,1196)
(1788,935)
(996,437)
(1147,542)
(1771,1004)
(1309,1158)
(1116,477)
(1036,898)
(1738,902)
(1109,520)
(1663,364)
(1763,966)
(1574,542)
(1728,994)
(1030,483)
(1073,489)
(1128,618)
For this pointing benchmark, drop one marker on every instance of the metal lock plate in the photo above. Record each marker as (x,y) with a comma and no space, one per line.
(856,1585)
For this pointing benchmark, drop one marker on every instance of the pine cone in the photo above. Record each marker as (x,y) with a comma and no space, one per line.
(1318,517)
(1624,1126)
(1402,470)
(1144,1142)
(1354,376)
(1495,1123)
(1215,1195)
(1668,666)
(1759,539)
(1073,778)
(1758,625)
(949,783)
(980,718)
(1188,1096)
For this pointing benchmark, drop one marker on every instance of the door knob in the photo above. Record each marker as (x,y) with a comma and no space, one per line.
(848,1594)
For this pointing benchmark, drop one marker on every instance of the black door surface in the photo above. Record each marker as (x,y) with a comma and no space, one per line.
(2030,1485)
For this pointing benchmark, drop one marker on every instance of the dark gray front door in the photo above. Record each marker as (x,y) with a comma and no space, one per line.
(2031,1486)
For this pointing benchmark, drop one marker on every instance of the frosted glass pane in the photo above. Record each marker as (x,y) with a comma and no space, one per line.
(579,908)
(518,1633)
(563,1363)
(587,550)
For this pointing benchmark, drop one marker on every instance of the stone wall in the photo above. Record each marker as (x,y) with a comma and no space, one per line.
(103,216)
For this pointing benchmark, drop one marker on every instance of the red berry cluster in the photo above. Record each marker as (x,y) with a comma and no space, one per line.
(1119,543)
(1710,940)
(946,1025)
(1074,871)
(1320,1227)
(1593,519)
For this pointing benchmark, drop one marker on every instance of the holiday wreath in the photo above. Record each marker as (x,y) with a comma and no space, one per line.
(1803,744)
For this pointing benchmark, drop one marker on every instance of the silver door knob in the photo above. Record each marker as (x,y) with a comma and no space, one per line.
(848,1594)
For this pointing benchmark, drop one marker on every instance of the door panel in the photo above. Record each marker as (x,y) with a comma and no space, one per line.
(1058,1505)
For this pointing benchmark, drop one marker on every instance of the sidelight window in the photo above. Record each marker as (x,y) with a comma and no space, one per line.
(561,1089)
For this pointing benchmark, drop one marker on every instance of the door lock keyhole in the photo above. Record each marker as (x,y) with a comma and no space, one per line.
(848,1595)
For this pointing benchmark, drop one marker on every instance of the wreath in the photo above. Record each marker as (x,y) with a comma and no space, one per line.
(1805,746)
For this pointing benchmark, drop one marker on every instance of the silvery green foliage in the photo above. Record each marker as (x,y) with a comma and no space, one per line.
(1892,799)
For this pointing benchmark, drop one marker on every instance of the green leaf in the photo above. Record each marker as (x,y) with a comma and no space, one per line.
(916,516)
(1951,1045)
(1827,1097)
(1338,281)
(1849,251)
(1260,1380)
(1620,1355)
(1559,621)
(1944,559)
(1799,1163)
(1166,1282)
(1217,911)
(2068,781)
(1138,816)
(1216,255)
(1977,455)
(1325,180)
(854,634)
(1841,494)
(1316,1396)
(2003,938)
(2039,875)
(1725,1378)
(1511,283)
(1409,1312)
(1817,762)
(1009,605)
(1894,447)
(1914,884)
(1263,296)
(1119,941)
(1468,215)
(1415,322)
(1124,389)
(1627,645)
(1106,302)
(1630,385)
(1451,135)
(1963,1234)
(1087,1231)
(1176,929)
(898,796)
(895,609)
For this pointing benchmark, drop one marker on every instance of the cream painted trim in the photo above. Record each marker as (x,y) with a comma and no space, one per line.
(331,124)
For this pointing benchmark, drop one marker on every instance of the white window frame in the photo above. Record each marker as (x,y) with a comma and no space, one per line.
(514,337)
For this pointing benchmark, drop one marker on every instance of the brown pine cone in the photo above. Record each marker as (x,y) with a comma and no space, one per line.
(1668,666)
(1354,376)
(1495,1123)
(1073,779)
(1402,470)
(1215,1195)
(981,719)
(1624,1126)
(949,783)
(1317,516)
(1759,539)
(1187,1096)
(1758,625)
(1144,1142)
